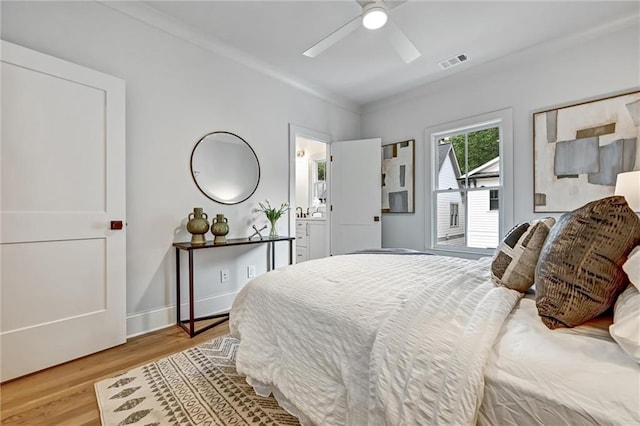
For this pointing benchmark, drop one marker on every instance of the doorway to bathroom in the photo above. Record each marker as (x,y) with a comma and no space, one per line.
(342,212)
(311,178)
(310,197)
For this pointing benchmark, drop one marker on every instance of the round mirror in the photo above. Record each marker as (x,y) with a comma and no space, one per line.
(225,167)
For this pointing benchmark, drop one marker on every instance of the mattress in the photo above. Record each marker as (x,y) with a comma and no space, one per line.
(579,376)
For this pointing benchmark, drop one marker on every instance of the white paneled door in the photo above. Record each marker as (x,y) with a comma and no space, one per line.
(355,195)
(62,155)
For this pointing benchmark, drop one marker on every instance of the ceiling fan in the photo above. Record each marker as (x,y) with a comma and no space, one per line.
(374,16)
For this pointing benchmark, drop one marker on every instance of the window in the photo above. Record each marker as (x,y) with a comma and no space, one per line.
(453,214)
(494,202)
(320,168)
(467,183)
(319,184)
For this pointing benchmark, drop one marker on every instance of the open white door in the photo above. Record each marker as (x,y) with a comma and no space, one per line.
(63,182)
(355,195)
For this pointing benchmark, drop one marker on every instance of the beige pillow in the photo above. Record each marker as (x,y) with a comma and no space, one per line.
(515,259)
(579,272)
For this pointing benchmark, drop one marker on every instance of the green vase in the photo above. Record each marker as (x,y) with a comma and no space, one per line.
(197,225)
(220,228)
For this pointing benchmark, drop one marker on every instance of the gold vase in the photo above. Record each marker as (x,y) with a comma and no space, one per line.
(198,225)
(220,228)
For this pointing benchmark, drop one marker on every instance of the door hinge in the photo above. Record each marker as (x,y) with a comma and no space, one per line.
(331,158)
(331,208)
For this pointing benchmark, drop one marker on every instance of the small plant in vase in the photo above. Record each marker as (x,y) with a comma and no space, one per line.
(273,214)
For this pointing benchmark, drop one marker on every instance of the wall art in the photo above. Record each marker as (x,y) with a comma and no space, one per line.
(398,173)
(580,149)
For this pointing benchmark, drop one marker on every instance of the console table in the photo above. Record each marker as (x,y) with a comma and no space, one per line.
(188,247)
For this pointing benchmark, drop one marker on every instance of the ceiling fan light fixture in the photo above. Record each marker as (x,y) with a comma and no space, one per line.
(374,16)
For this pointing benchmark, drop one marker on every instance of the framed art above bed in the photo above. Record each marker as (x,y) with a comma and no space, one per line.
(580,149)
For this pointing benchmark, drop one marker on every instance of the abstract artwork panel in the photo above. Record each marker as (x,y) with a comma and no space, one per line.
(399,201)
(387,152)
(629,154)
(634,110)
(576,156)
(607,129)
(610,165)
(552,125)
(580,149)
(398,165)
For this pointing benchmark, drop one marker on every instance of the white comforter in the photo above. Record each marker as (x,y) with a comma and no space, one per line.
(373,339)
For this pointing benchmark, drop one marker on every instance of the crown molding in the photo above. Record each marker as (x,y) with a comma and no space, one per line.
(163,22)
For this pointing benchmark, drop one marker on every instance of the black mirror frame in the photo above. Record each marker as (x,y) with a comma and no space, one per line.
(196,182)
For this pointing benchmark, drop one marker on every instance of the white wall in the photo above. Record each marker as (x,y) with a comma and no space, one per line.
(176,93)
(588,66)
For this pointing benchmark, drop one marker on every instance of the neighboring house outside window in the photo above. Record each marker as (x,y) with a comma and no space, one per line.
(448,233)
(467,187)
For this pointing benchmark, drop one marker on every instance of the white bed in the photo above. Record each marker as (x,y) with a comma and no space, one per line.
(579,376)
(413,339)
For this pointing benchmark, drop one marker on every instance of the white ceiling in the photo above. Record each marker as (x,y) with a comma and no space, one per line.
(364,67)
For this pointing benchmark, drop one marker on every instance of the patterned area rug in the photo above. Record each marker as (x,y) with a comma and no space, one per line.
(199,386)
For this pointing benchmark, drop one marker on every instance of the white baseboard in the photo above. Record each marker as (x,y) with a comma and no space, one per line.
(145,322)
(156,319)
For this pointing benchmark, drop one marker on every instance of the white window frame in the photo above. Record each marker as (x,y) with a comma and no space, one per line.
(504,120)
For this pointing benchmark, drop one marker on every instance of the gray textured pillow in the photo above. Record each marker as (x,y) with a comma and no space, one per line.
(579,272)
(514,263)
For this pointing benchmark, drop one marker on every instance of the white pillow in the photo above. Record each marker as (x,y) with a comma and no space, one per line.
(626,322)
(632,267)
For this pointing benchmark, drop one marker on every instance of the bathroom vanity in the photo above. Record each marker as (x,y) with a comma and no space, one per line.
(311,239)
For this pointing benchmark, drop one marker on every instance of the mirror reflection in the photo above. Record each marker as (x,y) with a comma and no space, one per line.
(311,178)
(225,167)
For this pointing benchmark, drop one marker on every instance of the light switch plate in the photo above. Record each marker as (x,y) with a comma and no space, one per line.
(251,271)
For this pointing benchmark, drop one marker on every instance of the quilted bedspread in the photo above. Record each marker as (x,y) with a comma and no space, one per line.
(373,339)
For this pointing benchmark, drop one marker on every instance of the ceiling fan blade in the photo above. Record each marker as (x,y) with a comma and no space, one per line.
(402,44)
(333,38)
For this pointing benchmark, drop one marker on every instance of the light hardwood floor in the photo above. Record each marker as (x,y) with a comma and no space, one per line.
(64,395)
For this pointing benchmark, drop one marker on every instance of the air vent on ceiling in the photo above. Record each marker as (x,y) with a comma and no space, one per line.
(456,60)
